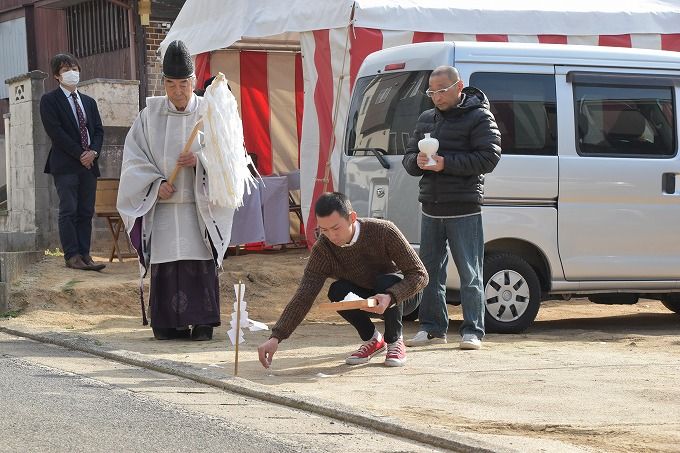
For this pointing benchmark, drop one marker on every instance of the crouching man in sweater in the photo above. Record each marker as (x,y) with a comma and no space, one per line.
(368,257)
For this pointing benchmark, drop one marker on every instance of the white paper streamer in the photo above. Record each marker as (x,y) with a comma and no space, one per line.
(245,322)
(224,156)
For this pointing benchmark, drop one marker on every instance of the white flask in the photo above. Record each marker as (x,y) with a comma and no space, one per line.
(429,145)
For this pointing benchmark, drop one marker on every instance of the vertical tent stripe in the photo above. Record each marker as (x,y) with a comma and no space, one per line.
(202,71)
(671,42)
(363,41)
(229,64)
(255,111)
(552,39)
(615,40)
(420,36)
(323,100)
(299,101)
(492,38)
(283,130)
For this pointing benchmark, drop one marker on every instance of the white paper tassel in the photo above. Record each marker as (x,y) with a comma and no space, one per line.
(224,156)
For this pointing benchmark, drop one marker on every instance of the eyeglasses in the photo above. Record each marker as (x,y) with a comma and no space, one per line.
(432,93)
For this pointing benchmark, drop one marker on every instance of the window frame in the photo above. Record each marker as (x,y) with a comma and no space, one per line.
(619,80)
(551,128)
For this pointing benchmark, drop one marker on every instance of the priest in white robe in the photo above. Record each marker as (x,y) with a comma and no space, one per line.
(176,230)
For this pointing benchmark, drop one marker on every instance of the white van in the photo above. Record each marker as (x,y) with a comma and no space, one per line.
(586,197)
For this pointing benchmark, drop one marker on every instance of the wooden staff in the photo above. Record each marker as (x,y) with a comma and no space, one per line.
(238,326)
(187,146)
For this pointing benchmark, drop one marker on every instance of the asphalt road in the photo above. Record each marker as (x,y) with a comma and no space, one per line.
(54,400)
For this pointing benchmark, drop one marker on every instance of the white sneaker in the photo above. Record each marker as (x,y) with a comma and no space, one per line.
(423,338)
(470,341)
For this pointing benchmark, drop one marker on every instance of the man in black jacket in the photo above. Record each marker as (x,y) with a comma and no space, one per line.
(451,193)
(72,122)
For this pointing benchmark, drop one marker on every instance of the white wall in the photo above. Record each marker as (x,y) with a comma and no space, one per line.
(13,52)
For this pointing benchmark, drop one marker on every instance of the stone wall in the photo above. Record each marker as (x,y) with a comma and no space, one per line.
(29,224)
(118,103)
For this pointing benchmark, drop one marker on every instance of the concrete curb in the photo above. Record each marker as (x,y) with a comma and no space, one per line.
(438,438)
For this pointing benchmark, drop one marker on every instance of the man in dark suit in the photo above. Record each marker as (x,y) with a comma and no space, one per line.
(72,122)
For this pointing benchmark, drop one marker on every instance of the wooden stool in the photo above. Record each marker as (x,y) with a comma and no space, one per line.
(105,206)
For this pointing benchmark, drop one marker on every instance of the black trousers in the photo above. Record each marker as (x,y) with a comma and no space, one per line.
(361,320)
(77,193)
(184,293)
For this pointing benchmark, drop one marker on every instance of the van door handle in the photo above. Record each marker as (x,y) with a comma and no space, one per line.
(668,183)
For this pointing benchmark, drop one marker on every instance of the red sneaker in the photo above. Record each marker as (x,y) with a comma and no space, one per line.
(366,351)
(396,353)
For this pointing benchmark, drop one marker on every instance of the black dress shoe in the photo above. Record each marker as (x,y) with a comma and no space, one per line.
(76,262)
(87,259)
(202,333)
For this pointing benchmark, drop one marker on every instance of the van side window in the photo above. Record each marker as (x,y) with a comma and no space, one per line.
(618,121)
(525,109)
(384,112)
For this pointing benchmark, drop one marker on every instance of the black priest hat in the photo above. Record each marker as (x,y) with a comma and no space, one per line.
(177,62)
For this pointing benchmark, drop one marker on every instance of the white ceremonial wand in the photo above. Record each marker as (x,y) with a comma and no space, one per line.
(238,323)
(239,320)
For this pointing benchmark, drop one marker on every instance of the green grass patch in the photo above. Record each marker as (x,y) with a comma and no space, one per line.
(55,252)
(10,314)
(69,285)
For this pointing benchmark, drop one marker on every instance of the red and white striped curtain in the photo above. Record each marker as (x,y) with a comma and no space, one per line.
(268,90)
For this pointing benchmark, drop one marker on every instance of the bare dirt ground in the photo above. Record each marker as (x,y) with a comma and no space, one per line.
(597,377)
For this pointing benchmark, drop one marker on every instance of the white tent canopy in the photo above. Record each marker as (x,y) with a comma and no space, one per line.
(207,25)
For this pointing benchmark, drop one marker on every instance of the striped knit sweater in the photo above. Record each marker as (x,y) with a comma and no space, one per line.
(380,249)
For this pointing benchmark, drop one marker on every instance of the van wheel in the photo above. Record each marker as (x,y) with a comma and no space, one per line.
(672,302)
(512,293)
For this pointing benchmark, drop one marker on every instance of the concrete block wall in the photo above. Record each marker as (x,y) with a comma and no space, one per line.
(118,103)
(27,224)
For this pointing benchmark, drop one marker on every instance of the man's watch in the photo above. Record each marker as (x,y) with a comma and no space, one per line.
(96,154)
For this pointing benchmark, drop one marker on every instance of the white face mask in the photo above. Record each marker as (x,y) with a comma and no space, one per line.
(70,78)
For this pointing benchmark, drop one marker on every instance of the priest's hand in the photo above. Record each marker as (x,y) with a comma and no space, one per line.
(187,160)
(384,301)
(166,190)
(266,351)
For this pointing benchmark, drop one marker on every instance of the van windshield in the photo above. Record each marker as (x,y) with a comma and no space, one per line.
(384,111)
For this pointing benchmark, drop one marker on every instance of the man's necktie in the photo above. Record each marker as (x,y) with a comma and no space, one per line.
(82,126)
